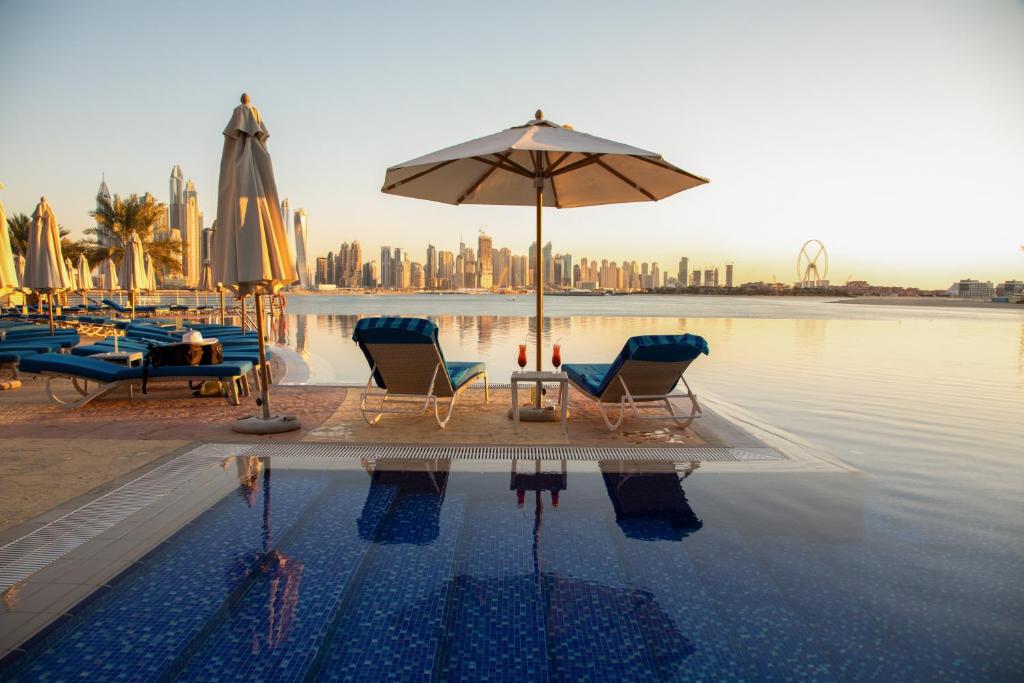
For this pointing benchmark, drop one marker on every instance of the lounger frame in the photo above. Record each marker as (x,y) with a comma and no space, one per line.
(415,377)
(640,385)
(234,387)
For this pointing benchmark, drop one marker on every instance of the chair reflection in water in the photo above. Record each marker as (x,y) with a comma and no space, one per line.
(649,500)
(422,483)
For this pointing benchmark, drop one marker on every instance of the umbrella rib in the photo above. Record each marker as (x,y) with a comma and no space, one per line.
(669,167)
(627,180)
(558,161)
(554,190)
(511,169)
(590,159)
(480,180)
(419,175)
(513,164)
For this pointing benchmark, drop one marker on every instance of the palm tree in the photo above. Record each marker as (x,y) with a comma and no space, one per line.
(118,219)
(18,226)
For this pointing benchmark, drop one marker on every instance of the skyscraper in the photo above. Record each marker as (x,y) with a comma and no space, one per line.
(301,237)
(176,204)
(430,268)
(485,261)
(386,268)
(191,237)
(103,194)
(683,276)
(286,218)
(728,275)
(566,279)
(549,265)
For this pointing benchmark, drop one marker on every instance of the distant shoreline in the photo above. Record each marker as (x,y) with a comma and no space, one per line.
(940,302)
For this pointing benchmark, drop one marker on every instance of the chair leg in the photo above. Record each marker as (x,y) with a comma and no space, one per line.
(487,390)
(437,415)
(604,415)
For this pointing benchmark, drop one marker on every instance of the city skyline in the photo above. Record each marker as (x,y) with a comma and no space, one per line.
(904,158)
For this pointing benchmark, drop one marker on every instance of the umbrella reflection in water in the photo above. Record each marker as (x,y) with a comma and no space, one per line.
(281,574)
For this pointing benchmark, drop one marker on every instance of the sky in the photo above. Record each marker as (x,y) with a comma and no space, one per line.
(890,130)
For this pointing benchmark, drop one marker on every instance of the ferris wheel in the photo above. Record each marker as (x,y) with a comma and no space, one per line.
(812,263)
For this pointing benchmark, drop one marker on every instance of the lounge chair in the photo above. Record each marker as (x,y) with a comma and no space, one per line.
(645,372)
(409,368)
(110,376)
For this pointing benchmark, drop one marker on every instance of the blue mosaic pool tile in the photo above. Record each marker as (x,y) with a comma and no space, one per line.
(139,629)
(495,628)
(275,631)
(392,627)
(684,633)
(592,630)
(775,642)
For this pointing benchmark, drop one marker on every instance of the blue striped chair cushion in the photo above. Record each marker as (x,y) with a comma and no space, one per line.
(664,348)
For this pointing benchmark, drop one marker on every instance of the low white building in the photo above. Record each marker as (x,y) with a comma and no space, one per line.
(972,289)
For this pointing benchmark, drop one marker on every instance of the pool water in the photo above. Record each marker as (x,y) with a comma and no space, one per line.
(308,569)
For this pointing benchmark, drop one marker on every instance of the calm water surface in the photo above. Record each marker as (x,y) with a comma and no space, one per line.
(928,403)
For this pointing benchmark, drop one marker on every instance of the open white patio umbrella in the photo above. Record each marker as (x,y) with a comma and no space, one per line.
(539,164)
(251,251)
(85,282)
(45,271)
(131,272)
(9,280)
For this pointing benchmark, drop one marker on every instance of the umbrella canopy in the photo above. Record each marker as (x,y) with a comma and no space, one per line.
(539,164)
(84,274)
(45,270)
(106,275)
(251,250)
(131,272)
(575,169)
(72,274)
(9,279)
(251,247)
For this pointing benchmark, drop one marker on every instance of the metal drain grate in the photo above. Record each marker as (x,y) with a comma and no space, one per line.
(572,453)
(23,557)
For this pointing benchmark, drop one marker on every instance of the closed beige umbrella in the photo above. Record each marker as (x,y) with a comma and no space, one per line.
(251,251)
(131,272)
(19,267)
(150,273)
(106,275)
(45,271)
(85,282)
(72,274)
(9,280)
(539,164)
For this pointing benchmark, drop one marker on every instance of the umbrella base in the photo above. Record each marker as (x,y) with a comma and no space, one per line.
(256,424)
(530,413)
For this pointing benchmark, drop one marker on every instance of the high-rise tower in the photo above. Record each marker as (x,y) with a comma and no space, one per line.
(485,261)
(301,236)
(176,204)
(191,237)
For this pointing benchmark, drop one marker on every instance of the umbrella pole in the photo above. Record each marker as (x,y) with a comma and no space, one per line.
(243,314)
(264,389)
(49,307)
(539,290)
(221,305)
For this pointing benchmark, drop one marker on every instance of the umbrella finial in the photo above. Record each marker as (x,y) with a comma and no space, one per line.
(245,98)
(538,115)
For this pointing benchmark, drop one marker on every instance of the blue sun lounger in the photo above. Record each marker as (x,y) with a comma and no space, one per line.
(645,372)
(409,369)
(110,376)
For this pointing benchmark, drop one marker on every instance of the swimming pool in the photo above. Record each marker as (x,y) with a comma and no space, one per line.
(313,568)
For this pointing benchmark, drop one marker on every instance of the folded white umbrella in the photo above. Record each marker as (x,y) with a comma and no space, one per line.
(106,275)
(9,280)
(539,164)
(45,271)
(85,282)
(251,250)
(206,278)
(19,267)
(72,274)
(150,273)
(131,272)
